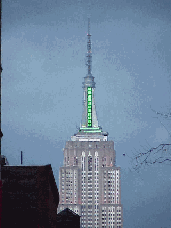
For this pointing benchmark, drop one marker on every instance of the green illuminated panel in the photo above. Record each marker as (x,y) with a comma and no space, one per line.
(94,131)
(86,128)
(89,106)
(89,97)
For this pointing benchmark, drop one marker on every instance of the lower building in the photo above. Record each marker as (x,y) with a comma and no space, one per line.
(29,197)
(67,219)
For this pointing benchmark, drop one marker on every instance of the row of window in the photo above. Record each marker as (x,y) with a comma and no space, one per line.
(111,178)
(74,145)
(111,209)
(111,171)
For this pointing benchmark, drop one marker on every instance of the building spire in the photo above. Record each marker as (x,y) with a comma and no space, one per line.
(89,123)
(89,26)
(89,119)
(89,52)
(89,79)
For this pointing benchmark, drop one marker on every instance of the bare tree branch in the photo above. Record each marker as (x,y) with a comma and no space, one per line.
(165,115)
(153,155)
(159,154)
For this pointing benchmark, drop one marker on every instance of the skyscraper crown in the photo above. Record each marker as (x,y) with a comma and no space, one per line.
(89,124)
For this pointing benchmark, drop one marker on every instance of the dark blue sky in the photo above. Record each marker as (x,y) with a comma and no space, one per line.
(43,60)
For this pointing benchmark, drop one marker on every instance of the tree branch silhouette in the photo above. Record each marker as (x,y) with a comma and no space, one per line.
(152,155)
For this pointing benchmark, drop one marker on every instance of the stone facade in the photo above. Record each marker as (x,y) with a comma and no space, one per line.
(90,183)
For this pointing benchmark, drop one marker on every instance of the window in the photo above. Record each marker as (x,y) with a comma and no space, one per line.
(75,160)
(103,161)
(89,163)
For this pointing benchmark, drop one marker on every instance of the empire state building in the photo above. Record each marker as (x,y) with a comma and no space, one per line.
(89,181)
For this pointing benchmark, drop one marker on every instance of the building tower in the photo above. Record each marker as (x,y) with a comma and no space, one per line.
(89,181)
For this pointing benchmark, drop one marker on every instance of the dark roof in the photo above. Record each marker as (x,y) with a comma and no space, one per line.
(68,213)
(24,171)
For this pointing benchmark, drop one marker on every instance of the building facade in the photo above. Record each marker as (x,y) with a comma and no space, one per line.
(89,181)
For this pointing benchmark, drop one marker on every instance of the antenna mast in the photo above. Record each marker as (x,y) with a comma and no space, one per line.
(89,53)
(21,157)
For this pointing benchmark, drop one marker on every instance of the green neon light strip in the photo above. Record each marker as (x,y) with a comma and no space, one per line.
(89,107)
(93,131)
(87,128)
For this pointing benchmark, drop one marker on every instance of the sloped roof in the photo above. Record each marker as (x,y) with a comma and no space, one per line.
(67,213)
(20,172)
